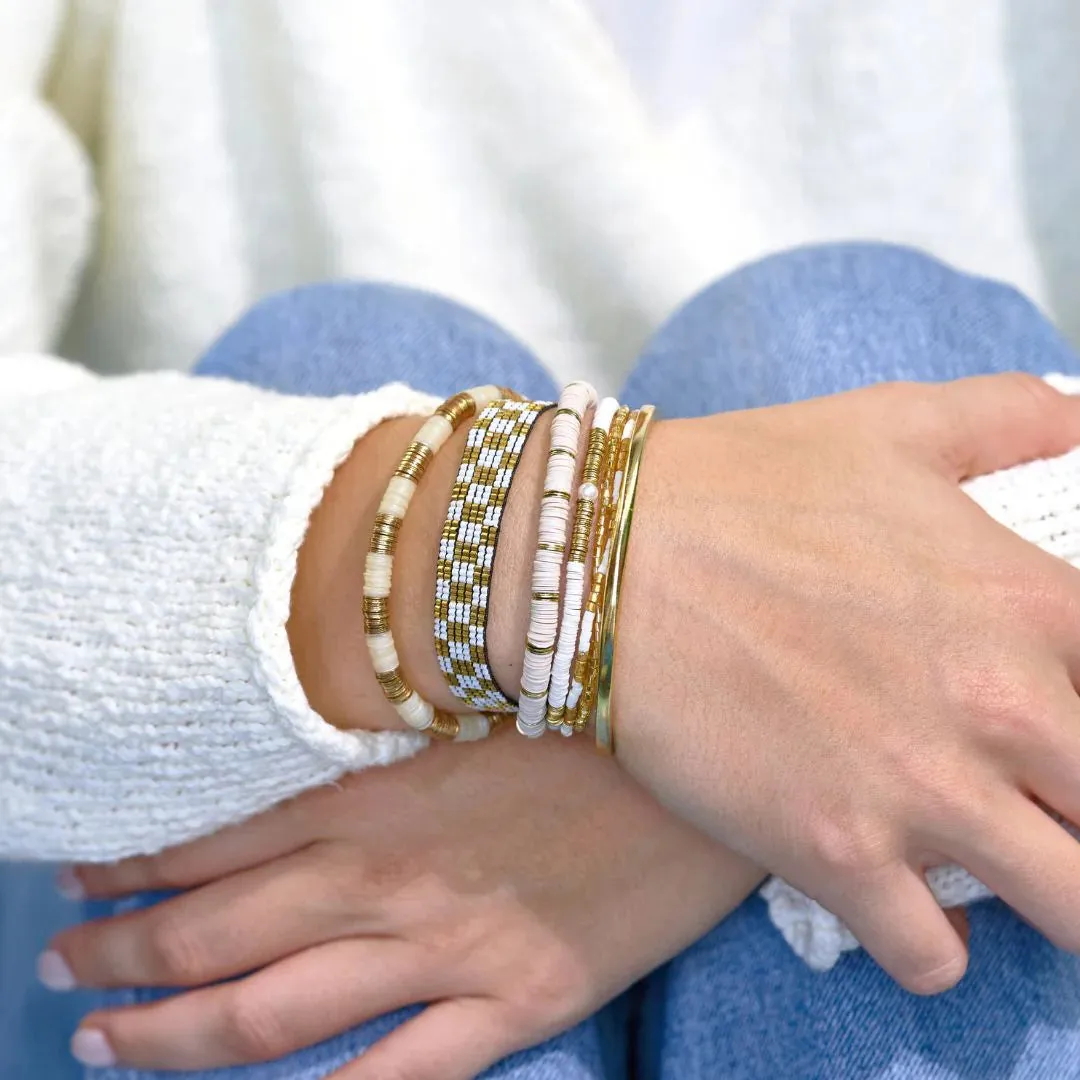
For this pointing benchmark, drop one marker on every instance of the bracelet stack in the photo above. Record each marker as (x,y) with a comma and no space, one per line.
(583,532)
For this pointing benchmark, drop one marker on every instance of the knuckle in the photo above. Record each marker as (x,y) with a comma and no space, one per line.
(1036,392)
(1006,704)
(847,847)
(453,940)
(553,984)
(253,1029)
(177,954)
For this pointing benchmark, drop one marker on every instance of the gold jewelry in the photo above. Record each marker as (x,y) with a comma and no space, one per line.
(624,519)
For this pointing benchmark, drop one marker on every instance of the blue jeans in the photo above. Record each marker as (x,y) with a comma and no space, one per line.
(737,1005)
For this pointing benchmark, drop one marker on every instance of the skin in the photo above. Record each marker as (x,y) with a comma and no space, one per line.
(852,674)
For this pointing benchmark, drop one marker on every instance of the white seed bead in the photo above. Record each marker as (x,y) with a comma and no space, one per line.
(566,729)
(416,712)
(398,495)
(384,655)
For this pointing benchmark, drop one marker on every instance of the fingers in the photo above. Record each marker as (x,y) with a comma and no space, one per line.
(269,836)
(1033,864)
(298,1002)
(992,422)
(898,921)
(451,1040)
(220,930)
(958,920)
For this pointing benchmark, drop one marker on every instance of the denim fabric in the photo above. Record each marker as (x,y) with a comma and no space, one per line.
(738,1004)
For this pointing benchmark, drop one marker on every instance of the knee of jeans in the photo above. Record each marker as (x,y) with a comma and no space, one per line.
(349,337)
(832,317)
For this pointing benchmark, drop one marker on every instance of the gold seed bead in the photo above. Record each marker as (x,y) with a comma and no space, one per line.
(568,412)
(552,596)
(393,685)
(536,650)
(556,451)
(445,726)
(547,545)
(414,461)
(554,493)
(384,534)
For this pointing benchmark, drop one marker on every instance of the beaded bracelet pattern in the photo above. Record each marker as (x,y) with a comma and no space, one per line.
(580,539)
(468,547)
(580,699)
(418,713)
(576,399)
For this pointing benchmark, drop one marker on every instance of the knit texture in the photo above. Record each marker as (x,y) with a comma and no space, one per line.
(1041,502)
(149,529)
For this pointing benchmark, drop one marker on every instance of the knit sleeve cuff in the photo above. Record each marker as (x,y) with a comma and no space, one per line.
(149,532)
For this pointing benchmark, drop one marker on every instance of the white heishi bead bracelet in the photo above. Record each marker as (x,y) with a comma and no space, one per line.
(574,596)
(419,714)
(552,535)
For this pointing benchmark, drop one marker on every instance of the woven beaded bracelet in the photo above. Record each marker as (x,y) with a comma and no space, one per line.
(419,714)
(468,548)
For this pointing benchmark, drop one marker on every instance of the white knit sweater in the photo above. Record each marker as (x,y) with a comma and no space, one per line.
(149,528)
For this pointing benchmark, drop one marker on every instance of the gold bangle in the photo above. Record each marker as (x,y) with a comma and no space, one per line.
(624,519)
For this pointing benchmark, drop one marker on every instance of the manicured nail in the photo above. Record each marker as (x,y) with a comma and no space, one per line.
(89,1046)
(68,884)
(53,971)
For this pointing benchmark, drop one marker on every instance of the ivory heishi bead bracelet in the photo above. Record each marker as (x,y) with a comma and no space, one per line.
(552,535)
(418,713)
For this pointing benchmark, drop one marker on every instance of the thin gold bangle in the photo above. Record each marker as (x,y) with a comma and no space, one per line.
(624,518)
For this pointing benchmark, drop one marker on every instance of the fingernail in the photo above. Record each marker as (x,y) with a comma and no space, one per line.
(90,1047)
(68,884)
(53,971)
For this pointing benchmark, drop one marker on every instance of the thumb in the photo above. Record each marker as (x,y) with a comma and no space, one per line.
(993,422)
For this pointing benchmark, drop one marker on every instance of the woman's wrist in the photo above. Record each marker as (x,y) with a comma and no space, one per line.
(326,624)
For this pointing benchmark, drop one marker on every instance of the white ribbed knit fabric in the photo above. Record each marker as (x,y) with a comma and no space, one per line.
(164,163)
(148,536)
(1041,502)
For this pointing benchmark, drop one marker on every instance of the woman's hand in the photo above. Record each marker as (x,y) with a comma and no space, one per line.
(831,659)
(517,886)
